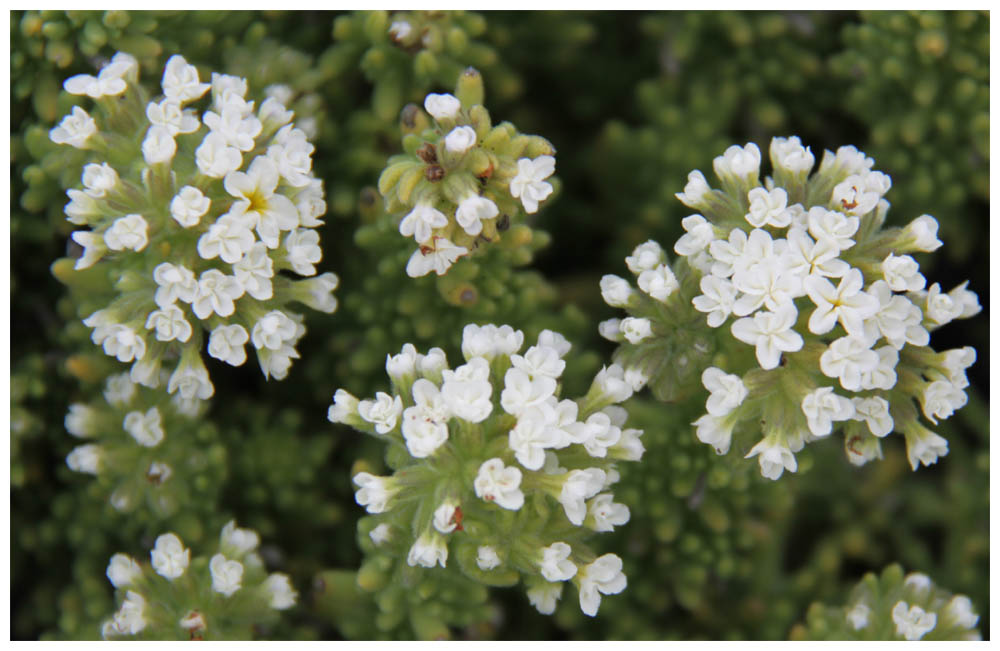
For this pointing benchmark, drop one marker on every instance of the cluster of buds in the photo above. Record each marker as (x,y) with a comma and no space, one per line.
(191,220)
(462,181)
(817,315)
(175,597)
(894,607)
(510,482)
(145,447)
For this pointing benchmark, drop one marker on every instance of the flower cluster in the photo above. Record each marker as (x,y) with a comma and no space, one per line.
(176,597)
(493,469)
(146,448)
(462,181)
(192,216)
(817,314)
(894,607)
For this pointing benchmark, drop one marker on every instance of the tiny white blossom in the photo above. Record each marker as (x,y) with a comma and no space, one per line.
(616,291)
(189,206)
(859,616)
(75,129)
(85,458)
(921,234)
(577,487)
(191,379)
(123,570)
(788,154)
(699,233)
(421,221)
(940,399)
(118,391)
(437,258)
(174,282)
(169,556)
(146,429)
(848,359)
(774,458)
(767,208)
(180,80)
(912,622)
(383,412)
(923,446)
(303,251)
(380,534)
(429,550)
(107,83)
(771,333)
(130,619)
(400,29)
(444,517)
(833,227)
(716,431)
(374,492)
(875,412)
(98,180)
(635,329)
(227,342)
(471,212)
(659,282)
(227,575)
(216,158)
(94,248)
(128,232)
(169,115)
(902,273)
(158,146)
(738,163)
(696,191)
(959,610)
(460,139)
(647,256)
(718,298)
(606,513)
(279,586)
(529,184)
(216,293)
(727,391)
(169,323)
(273,330)
(555,564)
(603,576)
(522,391)
(544,596)
(822,406)
(242,541)
(124,343)
(487,558)
(441,107)
(499,484)
(941,308)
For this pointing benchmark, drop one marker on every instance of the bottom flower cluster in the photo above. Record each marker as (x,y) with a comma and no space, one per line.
(175,597)
(509,482)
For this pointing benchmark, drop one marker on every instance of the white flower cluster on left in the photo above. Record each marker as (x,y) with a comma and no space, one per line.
(195,608)
(196,222)
(501,414)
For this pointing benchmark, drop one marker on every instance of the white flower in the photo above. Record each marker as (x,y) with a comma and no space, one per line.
(169,556)
(603,576)
(923,446)
(303,251)
(169,324)
(822,406)
(180,80)
(75,129)
(124,343)
(858,616)
(80,421)
(967,299)
(848,303)
(921,234)
(606,513)
(273,330)
(940,399)
(429,550)
(168,115)
(229,238)
(158,146)
(636,330)
(521,391)
(146,429)
(611,330)
(460,139)
(98,179)
(128,232)
(85,458)
(610,383)
(235,123)
(875,412)
(437,258)
(941,308)
(833,227)
(774,458)
(174,282)
(193,621)
(699,233)
(226,343)
(789,155)
(118,391)
(883,376)
(258,202)
(534,432)
(767,283)
(902,273)
(767,208)
(848,160)
(544,596)
(555,564)
(597,434)
(955,362)
(242,541)
(858,194)
(540,360)
(577,487)
(374,492)
(383,412)
(467,392)
(912,622)
(189,206)
(93,248)
(647,256)
(292,152)
(421,221)
(472,210)
(489,341)
(318,292)
(129,620)
(123,570)
(216,158)
(500,485)
(959,610)
(227,575)
(310,204)
(272,112)
(659,282)
(441,107)
(380,534)
(216,293)
(616,291)
(344,407)
(228,90)
(727,391)
(806,257)
(897,319)
(279,586)
(487,558)
(696,191)
(425,425)
(444,517)
(107,83)
(529,185)
(848,358)
(771,333)
(717,299)
(399,30)
(158,472)
(716,431)
(738,163)
(191,379)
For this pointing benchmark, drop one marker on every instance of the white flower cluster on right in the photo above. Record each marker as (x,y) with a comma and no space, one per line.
(175,597)
(498,470)
(802,273)
(194,215)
